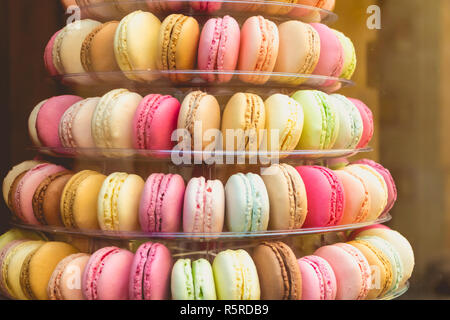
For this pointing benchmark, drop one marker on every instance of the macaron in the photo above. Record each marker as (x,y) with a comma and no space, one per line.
(287,197)
(357,198)
(38,270)
(136,34)
(325,195)
(376,187)
(19,234)
(282,7)
(350,123)
(321,124)
(112,121)
(243,122)
(258,50)
(150,273)
(154,121)
(118,202)
(206,6)
(75,125)
(106,275)
(22,199)
(177,46)
(161,203)
(367,118)
(47,197)
(97,51)
(67,46)
(351,268)
(193,280)
(204,206)
(299,50)
(318,279)
(65,282)
(43,122)
(219,48)
(235,276)
(348,48)
(48,56)
(390,183)
(278,271)
(355,233)
(78,204)
(247,203)
(284,123)
(12,175)
(199,113)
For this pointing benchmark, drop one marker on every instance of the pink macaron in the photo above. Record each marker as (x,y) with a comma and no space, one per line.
(204,206)
(325,195)
(150,273)
(48,56)
(318,279)
(368,126)
(106,276)
(154,121)
(23,197)
(219,48)
(206,6)
(352,271)
(161,203)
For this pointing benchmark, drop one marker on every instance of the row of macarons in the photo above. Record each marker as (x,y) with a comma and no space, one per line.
(308,120)
(377,261)
(111,9)
(140,42)
(281,198)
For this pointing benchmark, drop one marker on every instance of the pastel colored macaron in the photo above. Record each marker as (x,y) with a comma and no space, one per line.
(348,48)
(243,120)
(219,48)
(137,33)
(318,279)
(376,186)
(65,282)
(206,6)
(154,121)
(321,124)
(112,121)
(19,234)
(278,271)
(118,202)
(299,50)
(48,56)
(150,273)
(162,203)
(75,125)
(247,203)
(106,275)
(350,123)
(67,46)
(43,122)
(351,268)
(325,195)
(204,206)
(199,113)
(177,45)
(22,199)
(355,233)
(46,198)
(78,204)
(390,183)
(284,119)
(193,280)
(368,125)
(235,276)
(287,197)
(258,50)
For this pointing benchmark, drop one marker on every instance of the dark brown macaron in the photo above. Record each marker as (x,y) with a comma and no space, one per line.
(46,199)
(278,271)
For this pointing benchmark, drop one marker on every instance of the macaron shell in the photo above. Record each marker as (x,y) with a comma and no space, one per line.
(19,234)
(318,279)
(204,286)
(48,55)
(367,118)
(5,256)
(348,48)
(32,131)
(182,282)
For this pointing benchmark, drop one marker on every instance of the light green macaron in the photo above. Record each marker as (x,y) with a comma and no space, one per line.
(19,234)
(350,123)
(321,125)
(193,281)
(349,55)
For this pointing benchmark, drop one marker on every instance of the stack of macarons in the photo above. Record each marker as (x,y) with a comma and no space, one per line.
(121,119)
(177,45)
(282,198)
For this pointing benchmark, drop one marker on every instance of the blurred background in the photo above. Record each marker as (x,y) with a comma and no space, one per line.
(403,74)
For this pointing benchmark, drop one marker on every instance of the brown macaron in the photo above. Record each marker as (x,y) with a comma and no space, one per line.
(12,191)
(46,199)
(278,271)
